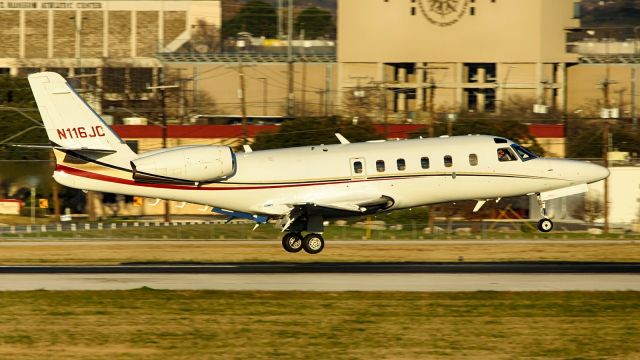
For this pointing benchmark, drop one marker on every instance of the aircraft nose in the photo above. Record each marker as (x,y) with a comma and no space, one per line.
(595,172)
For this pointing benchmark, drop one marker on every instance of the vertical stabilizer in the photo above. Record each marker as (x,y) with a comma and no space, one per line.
(70,122)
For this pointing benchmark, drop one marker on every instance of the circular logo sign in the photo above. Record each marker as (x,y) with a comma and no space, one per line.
(443,12)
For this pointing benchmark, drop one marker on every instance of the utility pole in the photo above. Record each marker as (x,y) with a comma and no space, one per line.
(605,158)
(163,105)
(432,93)
(280,22)
(77,19)
(33,205)
(304,89)
(55,192)
(634,97)
(432,110)
(290,90)
(385,111)
(265,94)
(243,103)
(359,93)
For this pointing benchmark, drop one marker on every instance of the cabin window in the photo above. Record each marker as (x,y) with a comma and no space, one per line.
(424,162)
(357,167)
(506,154)
(380,165)
(448,161)
(402,165)
(473,159)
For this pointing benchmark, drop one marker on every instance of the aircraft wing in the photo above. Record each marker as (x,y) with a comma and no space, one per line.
(352,205)
(335,209)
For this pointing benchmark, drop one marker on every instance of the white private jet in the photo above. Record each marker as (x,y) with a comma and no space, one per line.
(303,186)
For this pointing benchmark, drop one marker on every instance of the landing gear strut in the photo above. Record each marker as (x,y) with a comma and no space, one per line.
(294,242)
(545,224)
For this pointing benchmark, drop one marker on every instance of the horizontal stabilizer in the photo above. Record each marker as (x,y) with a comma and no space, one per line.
(66,149)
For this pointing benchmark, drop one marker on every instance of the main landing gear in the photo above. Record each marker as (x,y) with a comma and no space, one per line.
(544,224)
(311,243)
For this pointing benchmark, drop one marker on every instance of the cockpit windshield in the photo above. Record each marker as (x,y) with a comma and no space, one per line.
(523,153)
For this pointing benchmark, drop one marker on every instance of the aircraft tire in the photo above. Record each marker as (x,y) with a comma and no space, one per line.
(545,225)
(313,243)
(292,242)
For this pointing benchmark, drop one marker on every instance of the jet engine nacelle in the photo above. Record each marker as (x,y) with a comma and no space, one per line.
(185,164)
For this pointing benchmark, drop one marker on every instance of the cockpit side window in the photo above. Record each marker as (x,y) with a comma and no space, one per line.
(506,154)
(523,153)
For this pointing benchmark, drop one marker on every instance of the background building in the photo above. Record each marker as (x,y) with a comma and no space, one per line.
(471,55)
(109,46)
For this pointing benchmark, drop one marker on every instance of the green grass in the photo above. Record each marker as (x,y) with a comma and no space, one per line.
(148,324)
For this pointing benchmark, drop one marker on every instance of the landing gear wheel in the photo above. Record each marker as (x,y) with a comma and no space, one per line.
(292,242)
(545,225)
(313,243)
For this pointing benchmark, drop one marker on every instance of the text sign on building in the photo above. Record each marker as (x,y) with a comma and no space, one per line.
(47,5)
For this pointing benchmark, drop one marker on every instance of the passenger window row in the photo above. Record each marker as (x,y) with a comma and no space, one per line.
(401,164)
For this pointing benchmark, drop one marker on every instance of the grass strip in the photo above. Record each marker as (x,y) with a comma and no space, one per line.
(150,324)
(115,252)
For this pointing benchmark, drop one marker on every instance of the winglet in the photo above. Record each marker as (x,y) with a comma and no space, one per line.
(342,139)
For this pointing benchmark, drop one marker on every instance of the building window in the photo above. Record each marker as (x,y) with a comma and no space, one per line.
(480,72)
(402,165)
(472,11)
(473,159)
(113,80)
(448,161)
(140,78)
(413,11)
(577,10)
(380,165)
(357,167)
(424,162)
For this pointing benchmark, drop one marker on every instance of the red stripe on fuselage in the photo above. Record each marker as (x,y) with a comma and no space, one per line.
(117,180)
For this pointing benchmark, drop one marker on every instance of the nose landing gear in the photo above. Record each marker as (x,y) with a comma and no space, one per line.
(544,224)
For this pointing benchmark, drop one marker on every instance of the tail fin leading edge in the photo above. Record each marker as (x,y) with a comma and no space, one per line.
(70,122)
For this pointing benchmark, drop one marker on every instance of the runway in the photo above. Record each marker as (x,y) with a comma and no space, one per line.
(510,276)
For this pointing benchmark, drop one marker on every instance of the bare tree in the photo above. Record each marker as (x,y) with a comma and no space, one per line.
(588,208)
(364,103)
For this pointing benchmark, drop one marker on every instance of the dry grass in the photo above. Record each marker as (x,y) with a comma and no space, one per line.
(145,324)
(99,252)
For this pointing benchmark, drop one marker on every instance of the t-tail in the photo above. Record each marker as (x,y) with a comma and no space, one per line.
(73,127)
